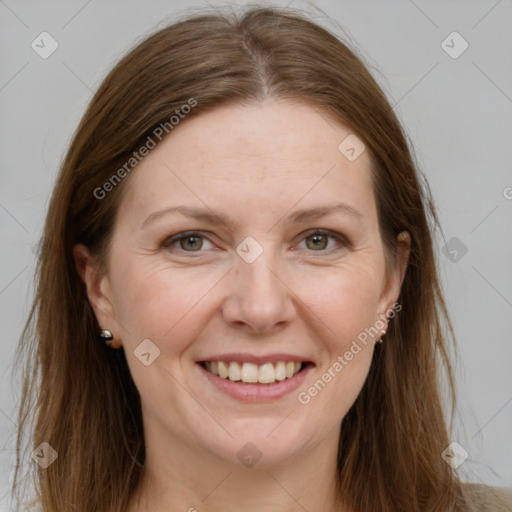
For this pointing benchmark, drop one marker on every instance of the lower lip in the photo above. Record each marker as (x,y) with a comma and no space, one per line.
(256,392)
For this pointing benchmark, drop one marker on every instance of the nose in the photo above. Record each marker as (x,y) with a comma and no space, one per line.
(259,299)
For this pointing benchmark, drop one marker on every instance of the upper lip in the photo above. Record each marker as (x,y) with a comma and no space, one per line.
(256,359)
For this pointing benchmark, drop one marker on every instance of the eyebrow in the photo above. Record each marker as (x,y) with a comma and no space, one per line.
(296,217)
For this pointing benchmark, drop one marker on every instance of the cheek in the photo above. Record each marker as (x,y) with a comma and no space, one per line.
(348,310)
(157,302)
(346,301)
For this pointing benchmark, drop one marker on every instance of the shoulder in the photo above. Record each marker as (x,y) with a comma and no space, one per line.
(485,498)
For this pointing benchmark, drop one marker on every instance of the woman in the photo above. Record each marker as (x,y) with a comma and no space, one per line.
(237,297)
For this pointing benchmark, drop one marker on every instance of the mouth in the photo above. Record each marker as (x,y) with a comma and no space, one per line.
(252,373)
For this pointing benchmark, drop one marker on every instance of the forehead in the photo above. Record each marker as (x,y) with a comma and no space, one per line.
(254,155)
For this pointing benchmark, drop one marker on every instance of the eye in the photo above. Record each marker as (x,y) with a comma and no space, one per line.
(189,242)
(318,240)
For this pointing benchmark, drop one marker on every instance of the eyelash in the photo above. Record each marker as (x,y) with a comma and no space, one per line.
(168,242)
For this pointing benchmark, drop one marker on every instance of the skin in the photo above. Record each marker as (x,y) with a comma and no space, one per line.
(255,165)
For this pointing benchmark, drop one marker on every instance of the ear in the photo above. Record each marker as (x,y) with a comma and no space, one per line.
(98,289)
(396,274)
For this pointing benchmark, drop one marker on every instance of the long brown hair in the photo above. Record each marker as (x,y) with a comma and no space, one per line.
(81,395)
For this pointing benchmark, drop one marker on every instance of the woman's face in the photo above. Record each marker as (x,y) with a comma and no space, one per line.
(247,237)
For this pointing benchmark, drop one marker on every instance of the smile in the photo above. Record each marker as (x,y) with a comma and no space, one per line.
(250,373)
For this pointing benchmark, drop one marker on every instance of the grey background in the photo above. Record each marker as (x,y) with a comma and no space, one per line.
(457,111)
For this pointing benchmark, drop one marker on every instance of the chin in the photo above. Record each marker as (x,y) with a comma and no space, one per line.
(266,443)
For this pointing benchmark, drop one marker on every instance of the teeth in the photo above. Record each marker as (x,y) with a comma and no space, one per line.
(290,367)
(234,372)
(223,370)
(280,370)
(249,372)
(267,373)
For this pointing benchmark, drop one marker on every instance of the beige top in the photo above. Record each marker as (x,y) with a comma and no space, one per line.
(490,499)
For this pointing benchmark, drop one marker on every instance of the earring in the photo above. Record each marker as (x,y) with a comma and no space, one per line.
(383,331)
(106,336)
